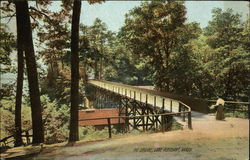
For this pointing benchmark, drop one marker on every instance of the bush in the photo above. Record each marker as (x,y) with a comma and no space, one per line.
(55,117)
(56,121)
(90,133)
(176,126)
(8,117)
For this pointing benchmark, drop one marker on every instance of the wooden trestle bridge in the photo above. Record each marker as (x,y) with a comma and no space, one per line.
(139,108)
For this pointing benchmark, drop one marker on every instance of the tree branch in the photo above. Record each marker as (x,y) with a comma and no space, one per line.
(36,21)
(45,15)
(9,16)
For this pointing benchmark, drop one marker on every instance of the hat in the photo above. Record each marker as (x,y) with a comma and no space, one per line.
(220,101)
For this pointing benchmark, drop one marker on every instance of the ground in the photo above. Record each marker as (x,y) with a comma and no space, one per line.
(210,139)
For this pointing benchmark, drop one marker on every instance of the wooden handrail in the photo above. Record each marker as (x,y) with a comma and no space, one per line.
(163,127)
(232,102)
(139,116)
(140,90)
(3,140)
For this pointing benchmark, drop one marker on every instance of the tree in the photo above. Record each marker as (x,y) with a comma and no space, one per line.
(74,99)
(229,65)
(23,17)
(54,46)
(125,67)
(19,87)
(183,68)
(98,39)
(151,31)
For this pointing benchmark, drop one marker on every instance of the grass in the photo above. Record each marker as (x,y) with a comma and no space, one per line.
(237,114)
(176,126)
(89,133)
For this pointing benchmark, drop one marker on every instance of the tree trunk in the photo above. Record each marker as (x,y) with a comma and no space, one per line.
(23,16)
(73,134)
(101,68)
(19,88)
(96,73)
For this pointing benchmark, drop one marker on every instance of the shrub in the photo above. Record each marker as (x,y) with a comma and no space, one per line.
(56,118)
(90,133)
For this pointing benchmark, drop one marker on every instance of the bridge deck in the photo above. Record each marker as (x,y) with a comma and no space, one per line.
(154,98)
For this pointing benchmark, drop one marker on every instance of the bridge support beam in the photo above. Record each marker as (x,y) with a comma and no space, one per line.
(131,107)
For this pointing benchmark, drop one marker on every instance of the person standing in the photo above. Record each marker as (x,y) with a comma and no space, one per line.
(220,109)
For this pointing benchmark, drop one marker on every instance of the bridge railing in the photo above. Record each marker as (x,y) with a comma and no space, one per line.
(150,97)
(142,116)
(4,141)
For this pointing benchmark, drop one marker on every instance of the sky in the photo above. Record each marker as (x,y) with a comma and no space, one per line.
(113,12)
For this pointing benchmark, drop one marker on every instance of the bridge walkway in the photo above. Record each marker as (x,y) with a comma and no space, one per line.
(157,100)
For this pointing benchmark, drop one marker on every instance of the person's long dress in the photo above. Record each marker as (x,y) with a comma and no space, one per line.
(220,113)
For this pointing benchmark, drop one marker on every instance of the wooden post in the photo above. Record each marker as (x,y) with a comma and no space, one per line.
(147,112)
(154,101)
(156,122)
(146,102)
(248,110)
(109,127)
(134,110)
(153,118)
(171,105)
(134,114)
(27,137)
(162,123)
(143,119)
(189,120)
(163,107)
(163,117)
(183,114)
(126,113)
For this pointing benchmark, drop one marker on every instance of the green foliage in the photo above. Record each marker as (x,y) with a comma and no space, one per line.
(95,48)
(183,69)
(224,29)
(7,91)
(176,126)
(183,59)
(152,31)
(56,84)
(56,120)
(7,117)
(237,114)
(228,64)
(127,68)
(7,46)
(90,133)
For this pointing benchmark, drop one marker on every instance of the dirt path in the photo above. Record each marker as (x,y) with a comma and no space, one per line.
(209,139)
